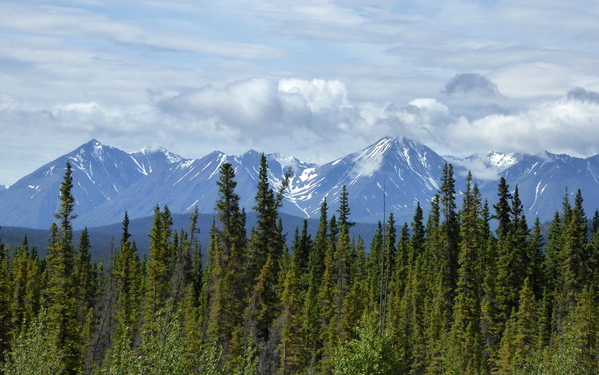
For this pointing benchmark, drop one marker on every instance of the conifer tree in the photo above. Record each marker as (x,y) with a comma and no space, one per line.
(127,275)
(502,209)
(418,234)
(573,254)
(553,251)
(265,239)
(465,335)
(61,291)
(290,346)
(160,265)
(328,319)
(344,210)
(183,260)
(525,338)
(450,232)
(311,311)
(489,325)
(535,259)
(343,278)
(354,302)
(25,286)
(228,285)
(511,261)
(582,330)
(507,347)
(592,264)
(85,272)
(375,267)
(266,247)
(302,245)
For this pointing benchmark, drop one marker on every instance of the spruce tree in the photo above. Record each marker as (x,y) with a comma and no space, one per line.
(25,279)
(228,285)
(290,346)
(159,267)
(85,276)
(465,332)
(450,232)
(536,259)
(573,254)
(502,209)
(127,276)
(344,210)
(266,247)
(311,310)
(61,292)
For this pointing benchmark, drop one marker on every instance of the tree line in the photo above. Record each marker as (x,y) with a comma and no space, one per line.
(441,295)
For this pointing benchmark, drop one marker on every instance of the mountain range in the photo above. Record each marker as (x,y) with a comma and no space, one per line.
(390,175)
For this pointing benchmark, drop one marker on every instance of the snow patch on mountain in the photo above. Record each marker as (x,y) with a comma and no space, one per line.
(109,181)
(502,161)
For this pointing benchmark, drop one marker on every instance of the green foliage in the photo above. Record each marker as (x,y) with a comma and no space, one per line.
(371,354)
(160,265)
(35,351)
(162,351)
(62,290)
(448,297)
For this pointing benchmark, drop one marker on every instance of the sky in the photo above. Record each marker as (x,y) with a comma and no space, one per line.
(314,79)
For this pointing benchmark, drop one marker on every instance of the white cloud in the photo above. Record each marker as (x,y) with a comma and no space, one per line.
(558,126)
(367,165)
(315,79)
(318,93)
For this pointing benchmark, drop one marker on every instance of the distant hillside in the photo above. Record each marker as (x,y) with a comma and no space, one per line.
(106,238)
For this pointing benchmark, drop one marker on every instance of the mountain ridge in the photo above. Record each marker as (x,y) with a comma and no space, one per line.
(390,175)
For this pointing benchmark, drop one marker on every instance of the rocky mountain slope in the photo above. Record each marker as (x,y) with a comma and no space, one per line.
(390,175)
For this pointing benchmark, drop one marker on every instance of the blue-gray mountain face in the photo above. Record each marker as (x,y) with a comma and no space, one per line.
(100,173)
(389,176)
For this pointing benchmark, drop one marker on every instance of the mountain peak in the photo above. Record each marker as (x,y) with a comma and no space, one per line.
(402,147)
(150,151)
(93,142)
(385,143)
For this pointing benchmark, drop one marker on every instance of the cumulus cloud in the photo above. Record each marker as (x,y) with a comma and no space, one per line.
(318,94)
(559,126)
(256,108)
(146,73)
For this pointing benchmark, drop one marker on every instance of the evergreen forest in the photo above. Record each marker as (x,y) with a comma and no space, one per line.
(442,294)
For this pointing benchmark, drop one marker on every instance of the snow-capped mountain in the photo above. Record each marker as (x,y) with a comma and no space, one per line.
(100,173)
(407,171)
(487,166)
(395,172)
(543,180)
(189,183)
(391,175)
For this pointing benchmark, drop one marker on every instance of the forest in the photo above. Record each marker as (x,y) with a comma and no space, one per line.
(445,294)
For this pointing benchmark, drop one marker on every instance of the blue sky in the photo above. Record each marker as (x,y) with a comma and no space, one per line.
(315,79)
